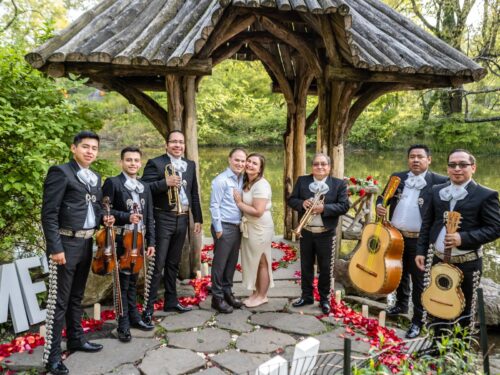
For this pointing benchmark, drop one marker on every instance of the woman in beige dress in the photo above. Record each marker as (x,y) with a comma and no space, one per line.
(258,231)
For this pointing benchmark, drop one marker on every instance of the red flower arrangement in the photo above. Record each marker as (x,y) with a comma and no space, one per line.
(358,186)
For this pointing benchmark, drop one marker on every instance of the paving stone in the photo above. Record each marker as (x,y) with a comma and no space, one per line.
(332,341)
(190,319)
(373,306)
(206,305)
(170,361)
(25,361)
(236,321)
(209,340)
(128,369)
(293,323)
(211,371)
(237,362)
(287,273)
(285,289)
(274,305)
(137,333)
(113,355)
(312,309)
(264,341)
(185,290)
(332,320)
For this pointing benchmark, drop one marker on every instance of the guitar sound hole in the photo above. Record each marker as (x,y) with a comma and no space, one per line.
(444,282)
(373,244)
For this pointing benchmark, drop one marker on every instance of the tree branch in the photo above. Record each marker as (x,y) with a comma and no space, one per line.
(422,18)
(14,17)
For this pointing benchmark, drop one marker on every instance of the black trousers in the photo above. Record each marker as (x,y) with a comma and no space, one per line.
(71,281)
(128,289)
(226,251)
(412,282)
(171,232)
(312,246)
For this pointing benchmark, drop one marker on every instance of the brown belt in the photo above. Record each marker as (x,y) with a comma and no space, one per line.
(409,234)
(472,255)
(316,229)
(84,233)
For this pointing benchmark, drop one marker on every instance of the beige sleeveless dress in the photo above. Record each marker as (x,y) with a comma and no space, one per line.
(257,235)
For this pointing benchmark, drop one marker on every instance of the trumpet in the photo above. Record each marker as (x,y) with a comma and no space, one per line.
(319,189)
(173,191)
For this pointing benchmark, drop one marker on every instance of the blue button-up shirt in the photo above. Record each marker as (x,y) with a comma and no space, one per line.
(222,205)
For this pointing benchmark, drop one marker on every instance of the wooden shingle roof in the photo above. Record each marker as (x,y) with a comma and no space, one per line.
(169,33)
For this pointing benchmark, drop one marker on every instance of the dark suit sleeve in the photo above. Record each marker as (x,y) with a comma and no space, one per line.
(109,190)
(53,193)
(154,178)
(341,206)
(150,222)
(490,224)
(295,201)
(425,229)
(195,199)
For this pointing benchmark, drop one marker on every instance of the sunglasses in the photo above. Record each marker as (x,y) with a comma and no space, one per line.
(459,165)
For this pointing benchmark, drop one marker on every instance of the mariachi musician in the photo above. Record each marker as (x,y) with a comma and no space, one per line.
(318,235)
(71,212)
(125,193)
(407,208)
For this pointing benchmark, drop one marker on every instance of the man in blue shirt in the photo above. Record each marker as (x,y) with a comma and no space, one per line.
(226,217)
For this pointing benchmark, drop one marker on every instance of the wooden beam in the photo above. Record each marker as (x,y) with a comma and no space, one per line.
(313,116)
(147,105)
(362,75)
(194,67)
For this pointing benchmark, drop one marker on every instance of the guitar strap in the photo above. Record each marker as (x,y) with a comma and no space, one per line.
(332,269)
(427,277)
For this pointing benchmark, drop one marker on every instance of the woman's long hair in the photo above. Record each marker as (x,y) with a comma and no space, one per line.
(246,183)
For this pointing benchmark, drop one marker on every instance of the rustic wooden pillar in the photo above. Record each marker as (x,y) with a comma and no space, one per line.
(175,101)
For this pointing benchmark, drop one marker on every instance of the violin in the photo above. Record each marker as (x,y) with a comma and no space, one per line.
(132,259)
(104,261)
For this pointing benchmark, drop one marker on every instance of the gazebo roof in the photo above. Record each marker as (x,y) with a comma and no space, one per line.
(160,36)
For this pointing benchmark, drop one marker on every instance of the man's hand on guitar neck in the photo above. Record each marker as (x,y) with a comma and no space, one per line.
(452,240)
(420,261)
(381,210)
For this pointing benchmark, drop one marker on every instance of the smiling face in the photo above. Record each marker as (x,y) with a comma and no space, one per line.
(176,144)
(320,167)
(418,161)
(85,152)
(253,167)
(131,163)
(460,167)
(237,161)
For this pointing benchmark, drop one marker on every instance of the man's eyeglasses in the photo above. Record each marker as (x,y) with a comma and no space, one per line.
(176,142)
(459,165)
(320,164)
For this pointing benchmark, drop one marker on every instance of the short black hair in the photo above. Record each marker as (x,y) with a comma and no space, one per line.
(130,149)
(174,131)
(418,145)
(85,134)
(472,159)
(237,149)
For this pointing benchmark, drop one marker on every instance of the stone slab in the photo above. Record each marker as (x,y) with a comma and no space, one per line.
(236,321)
(211,371)
(127,369)
(113,355)
(333,341)
(238,363)
(206,305)
(137,333)
(373,306)
(282,289)
(292,323)
(190,319)
(209,340)
(274,305)
(312,309)
(170,361)
(25,361)
(264,341)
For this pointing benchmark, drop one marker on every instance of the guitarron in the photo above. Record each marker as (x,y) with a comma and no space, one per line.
(376,266)
(443,297)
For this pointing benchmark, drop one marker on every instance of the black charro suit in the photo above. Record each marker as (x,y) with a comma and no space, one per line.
(169,227)
(318,244)
(121,207)
(480,211)
(65,206)
(412,278)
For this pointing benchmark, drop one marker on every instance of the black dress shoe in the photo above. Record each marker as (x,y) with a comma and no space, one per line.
(302,302)
(396,310)
(413,332)
(232,300)
(124,335)
(88,347)
(143,326)
(56,368)
(147,316)
(180,308)
(325,307)
(221,305)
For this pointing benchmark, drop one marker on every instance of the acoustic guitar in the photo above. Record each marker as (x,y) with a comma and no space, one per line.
(376,266)
(443,297)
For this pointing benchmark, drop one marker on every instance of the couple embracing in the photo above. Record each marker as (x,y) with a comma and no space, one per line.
(240,205)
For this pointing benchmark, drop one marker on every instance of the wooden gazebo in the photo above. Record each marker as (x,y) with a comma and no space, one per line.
(347,52)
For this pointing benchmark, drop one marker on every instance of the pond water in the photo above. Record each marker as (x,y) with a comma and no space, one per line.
(358,163)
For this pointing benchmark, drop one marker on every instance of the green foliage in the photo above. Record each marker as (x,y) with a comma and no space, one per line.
(37,123)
